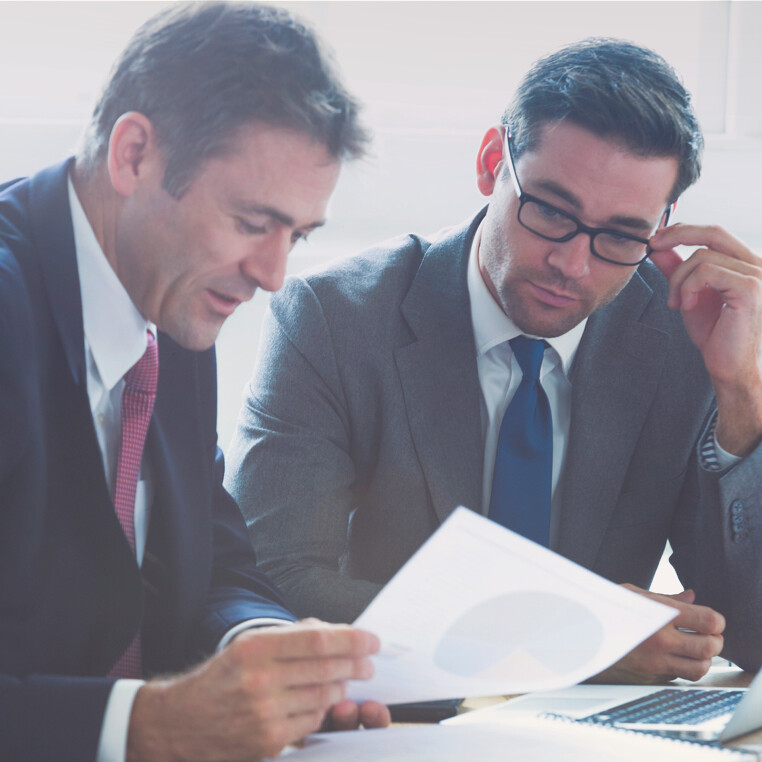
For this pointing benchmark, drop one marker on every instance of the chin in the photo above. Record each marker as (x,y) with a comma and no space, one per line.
(196,336)
(546,327)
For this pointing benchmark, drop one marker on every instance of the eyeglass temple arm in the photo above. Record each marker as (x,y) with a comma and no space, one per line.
(511,165)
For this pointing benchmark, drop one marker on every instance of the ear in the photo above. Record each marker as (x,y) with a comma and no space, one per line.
(133,153)
(489,161)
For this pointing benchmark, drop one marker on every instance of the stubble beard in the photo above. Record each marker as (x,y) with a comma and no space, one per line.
(536,319)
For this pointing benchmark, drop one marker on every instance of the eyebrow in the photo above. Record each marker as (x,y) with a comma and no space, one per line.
(278,215)
(621,220)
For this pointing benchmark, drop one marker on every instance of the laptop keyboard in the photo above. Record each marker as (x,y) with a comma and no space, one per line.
(671,706)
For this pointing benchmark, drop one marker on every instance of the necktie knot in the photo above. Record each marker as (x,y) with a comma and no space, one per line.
(143,376)
(529,354)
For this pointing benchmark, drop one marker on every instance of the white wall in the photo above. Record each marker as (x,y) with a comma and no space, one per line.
(434,75)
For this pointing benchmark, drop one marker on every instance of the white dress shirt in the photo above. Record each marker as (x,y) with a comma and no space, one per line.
(112,346)
(500,375)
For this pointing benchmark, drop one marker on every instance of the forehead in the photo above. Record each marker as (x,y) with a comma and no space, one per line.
(266,165)
(601,178)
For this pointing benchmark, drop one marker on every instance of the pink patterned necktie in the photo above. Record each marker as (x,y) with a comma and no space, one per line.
(137,405)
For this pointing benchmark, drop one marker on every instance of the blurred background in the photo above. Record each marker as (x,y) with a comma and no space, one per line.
(433,76)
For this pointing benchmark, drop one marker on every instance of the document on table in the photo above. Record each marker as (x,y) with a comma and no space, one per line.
(482,611)
(530,741)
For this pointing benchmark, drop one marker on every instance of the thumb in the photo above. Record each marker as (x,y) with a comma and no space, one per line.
(684,596)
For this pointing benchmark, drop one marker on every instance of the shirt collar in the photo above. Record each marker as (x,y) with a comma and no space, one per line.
(115,332)
(492,326)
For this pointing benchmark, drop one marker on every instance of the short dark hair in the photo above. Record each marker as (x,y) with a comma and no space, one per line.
(199,71)
(617,90)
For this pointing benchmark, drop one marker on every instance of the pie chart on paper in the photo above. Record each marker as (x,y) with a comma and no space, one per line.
(518,636)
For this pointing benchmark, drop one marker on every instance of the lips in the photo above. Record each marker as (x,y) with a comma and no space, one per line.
(221,303)
(551,297)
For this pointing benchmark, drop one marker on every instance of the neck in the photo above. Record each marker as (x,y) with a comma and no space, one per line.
(99,202)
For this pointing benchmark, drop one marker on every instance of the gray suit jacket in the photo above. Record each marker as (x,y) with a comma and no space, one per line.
(361,432)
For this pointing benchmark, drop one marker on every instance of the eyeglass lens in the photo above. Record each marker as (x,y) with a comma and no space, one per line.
(547,221)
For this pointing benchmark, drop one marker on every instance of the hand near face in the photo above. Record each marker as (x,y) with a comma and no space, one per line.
(683,648)
(718,290)
(268,688)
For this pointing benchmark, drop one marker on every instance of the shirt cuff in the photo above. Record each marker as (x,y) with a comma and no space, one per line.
(248,624)
(112,746)
(711,454)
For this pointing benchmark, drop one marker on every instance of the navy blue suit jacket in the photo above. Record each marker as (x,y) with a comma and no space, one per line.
(71,593)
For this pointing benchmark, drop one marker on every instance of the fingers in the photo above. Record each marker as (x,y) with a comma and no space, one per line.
(374,715)
(667,260)
(294,673)
(700,619)
(302,668)
(698,647)
(312,698)
(667,654)
(674,667)
(692,617)
(684,596)
(275,737)
(689,657)
(731,278)
(683,648)
(266,689)
(673,641)
(310,640)
(346,715)
(709,236)
(722,263)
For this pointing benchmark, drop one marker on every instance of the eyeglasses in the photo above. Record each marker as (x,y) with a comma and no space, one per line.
(553,224)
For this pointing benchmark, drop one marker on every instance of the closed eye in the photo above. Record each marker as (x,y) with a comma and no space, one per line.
(621,239)
(549,212)
(247,228)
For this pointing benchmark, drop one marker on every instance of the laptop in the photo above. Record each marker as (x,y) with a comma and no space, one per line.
(700,714)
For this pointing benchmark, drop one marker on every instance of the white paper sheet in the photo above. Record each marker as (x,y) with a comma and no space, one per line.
(482,611)
(531,741)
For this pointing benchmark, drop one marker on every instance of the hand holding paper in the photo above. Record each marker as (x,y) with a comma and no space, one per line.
(479,611)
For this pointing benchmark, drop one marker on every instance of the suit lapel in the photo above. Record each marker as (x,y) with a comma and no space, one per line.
(614,378)
(439,377)
(75,475)
(50,219)
(51,222)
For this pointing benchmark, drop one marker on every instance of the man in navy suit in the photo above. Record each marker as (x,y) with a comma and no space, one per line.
(213,149)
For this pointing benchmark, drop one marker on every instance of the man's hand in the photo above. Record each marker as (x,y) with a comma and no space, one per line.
(718,289)
(347,715)
(269,687)
(683,648)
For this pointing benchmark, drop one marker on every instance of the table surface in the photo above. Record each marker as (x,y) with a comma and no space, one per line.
(719,676)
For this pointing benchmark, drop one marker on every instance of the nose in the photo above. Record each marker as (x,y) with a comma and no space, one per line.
(572,258)
(265,264)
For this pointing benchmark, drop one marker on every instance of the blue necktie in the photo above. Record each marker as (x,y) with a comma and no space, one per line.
(521,484)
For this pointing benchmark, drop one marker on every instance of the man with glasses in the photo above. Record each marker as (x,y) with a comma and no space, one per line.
(551,363)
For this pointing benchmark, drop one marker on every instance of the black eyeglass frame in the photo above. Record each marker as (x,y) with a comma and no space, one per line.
(580,226)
